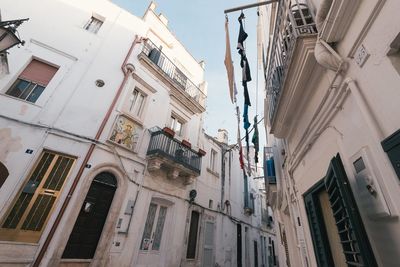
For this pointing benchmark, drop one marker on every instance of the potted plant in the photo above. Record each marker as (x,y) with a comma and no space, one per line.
(186,143)
(201,152)
(169,131)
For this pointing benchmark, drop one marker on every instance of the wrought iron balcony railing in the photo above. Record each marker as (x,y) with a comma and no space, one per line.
(164,145)
(292,21)
(172,71)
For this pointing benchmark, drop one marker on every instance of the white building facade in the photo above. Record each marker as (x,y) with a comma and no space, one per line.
(103,158)
(332,95)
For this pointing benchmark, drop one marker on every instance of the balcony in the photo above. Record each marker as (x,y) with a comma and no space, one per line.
(166,154)
(181,87)
(292,67)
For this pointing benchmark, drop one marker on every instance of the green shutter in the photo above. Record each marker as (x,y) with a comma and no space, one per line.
(317,227)
(352,234)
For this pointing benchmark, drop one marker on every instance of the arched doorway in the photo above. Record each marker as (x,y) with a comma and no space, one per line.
(82,242)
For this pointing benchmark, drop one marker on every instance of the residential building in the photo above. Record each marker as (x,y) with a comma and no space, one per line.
(332,78)
(103,160)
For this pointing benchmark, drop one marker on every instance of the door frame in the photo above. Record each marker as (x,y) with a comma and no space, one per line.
(100,257)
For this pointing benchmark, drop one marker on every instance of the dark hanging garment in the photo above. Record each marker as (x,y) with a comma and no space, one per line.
(246,94)
(246,123)
(255,140)
(242,34)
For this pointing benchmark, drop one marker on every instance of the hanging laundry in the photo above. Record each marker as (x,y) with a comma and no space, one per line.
(246,76)
(246,94)
(255,140)
(229,66)
(246,123)
(239,139)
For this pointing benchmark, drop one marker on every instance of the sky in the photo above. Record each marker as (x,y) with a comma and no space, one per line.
(199,26)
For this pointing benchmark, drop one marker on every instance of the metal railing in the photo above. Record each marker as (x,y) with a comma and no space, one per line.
(294,19)
(172,71)
(166,146)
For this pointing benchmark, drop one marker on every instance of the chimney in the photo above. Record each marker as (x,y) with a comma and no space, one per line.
(222,136)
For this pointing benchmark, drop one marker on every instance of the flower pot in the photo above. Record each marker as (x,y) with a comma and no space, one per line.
(169,131)
(186,143)
(201,152)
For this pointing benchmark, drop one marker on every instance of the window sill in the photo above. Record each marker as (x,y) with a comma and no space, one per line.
(21,100)
(216,174)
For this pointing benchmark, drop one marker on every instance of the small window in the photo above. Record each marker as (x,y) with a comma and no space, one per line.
(193,232)
(213,158)
(93,25)
(177,125)
(32,81)
(137,103)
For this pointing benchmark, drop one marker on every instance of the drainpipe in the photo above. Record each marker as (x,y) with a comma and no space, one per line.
(127,69)
(324,53)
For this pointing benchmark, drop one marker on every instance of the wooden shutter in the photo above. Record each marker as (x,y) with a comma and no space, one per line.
(318,232)
(38,72)
(208,248)
(351,230)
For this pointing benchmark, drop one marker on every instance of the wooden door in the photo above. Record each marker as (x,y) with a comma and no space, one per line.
(88,227)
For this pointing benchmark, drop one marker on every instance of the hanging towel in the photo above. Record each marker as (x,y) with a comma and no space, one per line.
(239,139)
(255,140)
(229,66)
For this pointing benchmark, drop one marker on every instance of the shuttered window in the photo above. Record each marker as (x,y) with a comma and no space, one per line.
(350,230)
(208,248)
(32,81)
(31,210)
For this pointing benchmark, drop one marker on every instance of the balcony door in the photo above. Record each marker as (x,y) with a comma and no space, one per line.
(82,242)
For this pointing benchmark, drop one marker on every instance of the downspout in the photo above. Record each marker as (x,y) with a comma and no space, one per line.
(324,53)
(127,69)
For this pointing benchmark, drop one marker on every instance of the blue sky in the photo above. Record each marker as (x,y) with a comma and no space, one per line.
(199,25)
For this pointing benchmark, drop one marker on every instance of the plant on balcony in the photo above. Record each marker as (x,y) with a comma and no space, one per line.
(186,143)
(169,131)
(201,152)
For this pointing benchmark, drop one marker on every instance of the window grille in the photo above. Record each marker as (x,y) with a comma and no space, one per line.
(31,210)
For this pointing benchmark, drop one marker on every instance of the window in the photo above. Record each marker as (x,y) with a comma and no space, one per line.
(177,125)
(153,230)
(213,159)
(193,232)
(94,24)
(32,81)
(137,102)
(26,219)
(337,231)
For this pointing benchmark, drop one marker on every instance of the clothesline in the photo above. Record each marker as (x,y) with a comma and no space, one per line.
(252,128)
